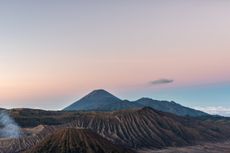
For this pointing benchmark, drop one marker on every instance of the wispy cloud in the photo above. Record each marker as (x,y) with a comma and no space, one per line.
(161,81)
(218,110)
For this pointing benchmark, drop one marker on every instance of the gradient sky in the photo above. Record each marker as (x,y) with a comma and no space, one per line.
(54,52)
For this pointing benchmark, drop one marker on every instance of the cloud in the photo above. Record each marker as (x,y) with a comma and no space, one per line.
(218,110)
(161,81)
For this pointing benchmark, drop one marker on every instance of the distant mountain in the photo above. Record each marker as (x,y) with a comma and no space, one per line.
(71,140)
(101,100)
(170,107)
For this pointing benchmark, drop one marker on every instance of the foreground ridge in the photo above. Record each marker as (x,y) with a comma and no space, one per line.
(71,140)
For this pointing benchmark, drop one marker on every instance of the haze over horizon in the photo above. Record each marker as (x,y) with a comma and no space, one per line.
(52,53)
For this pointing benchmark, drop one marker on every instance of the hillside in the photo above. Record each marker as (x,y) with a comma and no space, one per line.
(72,140)
(150,128)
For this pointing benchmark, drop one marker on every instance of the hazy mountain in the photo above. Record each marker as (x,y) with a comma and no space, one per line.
(101,100)
(2,109)
(170,107)
(72,140)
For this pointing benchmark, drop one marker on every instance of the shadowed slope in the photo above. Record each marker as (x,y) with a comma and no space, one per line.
(72,140)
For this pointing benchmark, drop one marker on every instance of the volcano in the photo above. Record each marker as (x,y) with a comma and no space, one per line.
(101,100)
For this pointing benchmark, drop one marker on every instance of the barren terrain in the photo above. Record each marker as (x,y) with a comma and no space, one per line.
(204,148)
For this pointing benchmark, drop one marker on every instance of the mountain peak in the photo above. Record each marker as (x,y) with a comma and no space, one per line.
(100,92)
(94,100)
(145,99)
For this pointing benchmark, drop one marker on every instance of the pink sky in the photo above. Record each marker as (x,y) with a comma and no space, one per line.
(65,50)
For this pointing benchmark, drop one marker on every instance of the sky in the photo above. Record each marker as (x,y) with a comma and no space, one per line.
(54,52)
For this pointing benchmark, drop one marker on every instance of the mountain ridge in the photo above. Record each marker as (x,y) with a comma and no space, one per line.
(102,100)
(170,107)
